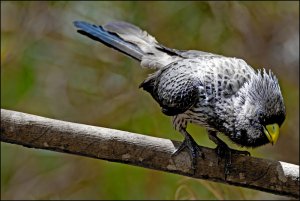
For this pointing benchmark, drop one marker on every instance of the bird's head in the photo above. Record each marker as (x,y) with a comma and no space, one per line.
(261,111)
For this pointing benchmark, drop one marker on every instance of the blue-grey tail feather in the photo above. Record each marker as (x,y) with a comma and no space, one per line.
(110,39)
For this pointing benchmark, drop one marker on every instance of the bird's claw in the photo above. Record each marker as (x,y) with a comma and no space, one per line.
(238,152)
(193,149)
(223,151)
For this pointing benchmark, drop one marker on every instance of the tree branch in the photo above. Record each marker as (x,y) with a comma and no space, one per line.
(150,152)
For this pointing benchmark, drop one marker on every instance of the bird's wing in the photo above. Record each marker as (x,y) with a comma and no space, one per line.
(173,88)
(181,84)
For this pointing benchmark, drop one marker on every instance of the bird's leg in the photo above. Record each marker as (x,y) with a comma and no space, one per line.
(193,148)
(223,151)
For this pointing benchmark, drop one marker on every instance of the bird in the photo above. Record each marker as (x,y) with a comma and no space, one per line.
(223,94)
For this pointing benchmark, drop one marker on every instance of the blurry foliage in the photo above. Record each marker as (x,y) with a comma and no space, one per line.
(50,70)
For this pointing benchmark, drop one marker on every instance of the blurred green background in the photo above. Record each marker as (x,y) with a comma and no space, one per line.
(50,70)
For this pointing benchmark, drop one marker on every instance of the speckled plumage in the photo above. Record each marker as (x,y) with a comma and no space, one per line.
(223,94)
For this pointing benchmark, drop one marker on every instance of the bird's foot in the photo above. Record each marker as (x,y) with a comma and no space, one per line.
(223,151)
(193,149)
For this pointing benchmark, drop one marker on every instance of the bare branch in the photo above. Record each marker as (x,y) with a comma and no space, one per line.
(150,152)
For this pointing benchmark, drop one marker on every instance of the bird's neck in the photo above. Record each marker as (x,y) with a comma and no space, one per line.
(230,112)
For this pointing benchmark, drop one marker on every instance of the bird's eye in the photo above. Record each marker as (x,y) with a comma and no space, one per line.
(262,117)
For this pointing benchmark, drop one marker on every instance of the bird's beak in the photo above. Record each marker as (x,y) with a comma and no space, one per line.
(272,132)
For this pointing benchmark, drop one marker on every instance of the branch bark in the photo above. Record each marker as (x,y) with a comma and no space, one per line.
(149,152)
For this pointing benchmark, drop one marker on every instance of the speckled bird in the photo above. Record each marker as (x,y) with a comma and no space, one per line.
(223,94)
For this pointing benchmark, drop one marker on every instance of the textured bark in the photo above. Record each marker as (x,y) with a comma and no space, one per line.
(150,152)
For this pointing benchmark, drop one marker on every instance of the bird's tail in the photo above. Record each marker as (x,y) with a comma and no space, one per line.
(128,39)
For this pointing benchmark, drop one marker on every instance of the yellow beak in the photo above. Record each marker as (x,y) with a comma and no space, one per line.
(272,132)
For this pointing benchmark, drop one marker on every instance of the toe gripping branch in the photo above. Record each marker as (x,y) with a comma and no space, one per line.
(223,151)
(193,149)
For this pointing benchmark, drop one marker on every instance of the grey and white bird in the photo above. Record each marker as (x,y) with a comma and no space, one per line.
(223,94)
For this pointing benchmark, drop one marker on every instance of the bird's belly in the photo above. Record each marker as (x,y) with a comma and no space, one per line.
(200,117)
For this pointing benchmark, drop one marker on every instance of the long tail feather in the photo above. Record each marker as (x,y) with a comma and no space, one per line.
(110,39)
